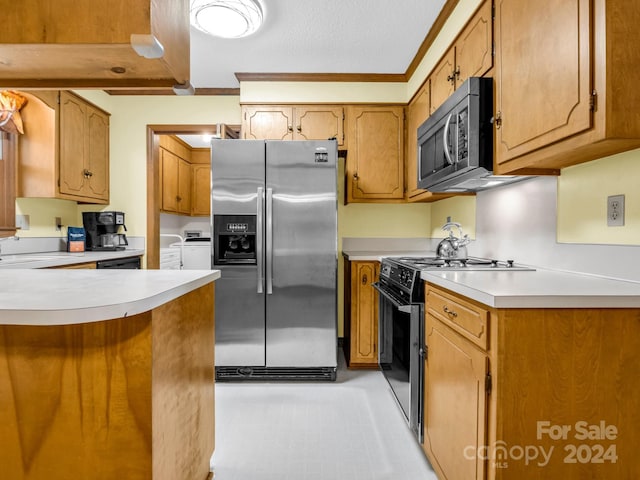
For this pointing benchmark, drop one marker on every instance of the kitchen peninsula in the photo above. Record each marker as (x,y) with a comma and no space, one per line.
(106,374)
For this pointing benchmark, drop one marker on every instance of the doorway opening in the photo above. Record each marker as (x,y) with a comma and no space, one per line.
(154,186)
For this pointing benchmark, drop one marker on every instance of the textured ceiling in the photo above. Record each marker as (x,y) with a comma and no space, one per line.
(318,36)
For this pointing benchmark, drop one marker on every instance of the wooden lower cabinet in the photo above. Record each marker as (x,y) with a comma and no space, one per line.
(455,401)
(129,397)
(79,266)
(498,412)
(361,314)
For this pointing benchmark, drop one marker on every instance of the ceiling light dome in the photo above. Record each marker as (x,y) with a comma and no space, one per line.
(227,18)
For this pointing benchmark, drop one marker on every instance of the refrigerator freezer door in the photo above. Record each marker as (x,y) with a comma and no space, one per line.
(237,170)
(302,310)
(240,318)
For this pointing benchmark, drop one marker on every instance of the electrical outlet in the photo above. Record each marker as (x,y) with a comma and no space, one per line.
(615,211)
(58,224)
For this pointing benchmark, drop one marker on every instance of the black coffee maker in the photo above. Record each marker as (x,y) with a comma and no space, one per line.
(101,230)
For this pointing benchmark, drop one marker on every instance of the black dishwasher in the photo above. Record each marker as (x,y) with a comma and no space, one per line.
(129,263)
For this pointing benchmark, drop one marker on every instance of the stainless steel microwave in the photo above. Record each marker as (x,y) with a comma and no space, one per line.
(455,144)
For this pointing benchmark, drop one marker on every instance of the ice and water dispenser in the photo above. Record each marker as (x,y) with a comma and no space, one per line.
(234,239)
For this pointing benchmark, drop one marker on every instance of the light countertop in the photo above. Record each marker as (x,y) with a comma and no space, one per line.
(376,255)
(59,296)
(538,289)
(60,259)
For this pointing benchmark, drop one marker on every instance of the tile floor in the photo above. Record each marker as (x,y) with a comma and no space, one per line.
(348,430)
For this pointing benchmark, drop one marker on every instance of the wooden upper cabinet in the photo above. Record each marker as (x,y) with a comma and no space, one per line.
(169,180)
(474,46)
(176,183)
(544,70)
(288,122)
(566,83)
(375,160)
(75,44)
(64,152)
(319,123)
(471,55)
(442,80)
(267,123)
(417,113)
(201,190)
(184,187)
(84,149)
(201,181)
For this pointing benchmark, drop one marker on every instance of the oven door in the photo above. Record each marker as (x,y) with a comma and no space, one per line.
(400,353)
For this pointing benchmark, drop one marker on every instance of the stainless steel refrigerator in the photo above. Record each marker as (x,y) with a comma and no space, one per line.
(274,225)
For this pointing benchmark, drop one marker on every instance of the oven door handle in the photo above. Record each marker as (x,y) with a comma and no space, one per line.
(403,307)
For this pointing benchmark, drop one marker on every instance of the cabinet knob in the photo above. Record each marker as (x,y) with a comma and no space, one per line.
(455,74)
(290,128)
(299,128)
(355,176)
(364,279)
(87,173)
(178,198)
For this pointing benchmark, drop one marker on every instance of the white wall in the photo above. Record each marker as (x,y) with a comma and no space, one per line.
(519,222)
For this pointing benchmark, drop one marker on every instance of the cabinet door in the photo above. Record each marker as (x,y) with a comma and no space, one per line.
(73,132)
(319,123)
(474,46)
(455,402)
(417,113)
(442,80)
(375,165)
(364,314)
(169,180)
(184,187)
(200,201)
(543,70)
(267,123)
(97,151)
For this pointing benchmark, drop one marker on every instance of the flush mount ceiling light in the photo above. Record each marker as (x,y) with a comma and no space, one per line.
(227,18)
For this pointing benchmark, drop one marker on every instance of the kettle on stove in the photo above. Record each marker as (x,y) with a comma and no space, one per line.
(453,247)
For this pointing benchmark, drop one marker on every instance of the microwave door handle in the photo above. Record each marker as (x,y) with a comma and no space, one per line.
(445,140)
(259,237)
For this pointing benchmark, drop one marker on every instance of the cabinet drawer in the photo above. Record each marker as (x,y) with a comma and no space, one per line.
(468,320)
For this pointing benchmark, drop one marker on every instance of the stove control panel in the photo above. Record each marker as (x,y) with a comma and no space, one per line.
(400,279)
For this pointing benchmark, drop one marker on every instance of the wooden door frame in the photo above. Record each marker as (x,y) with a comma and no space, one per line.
(153,182)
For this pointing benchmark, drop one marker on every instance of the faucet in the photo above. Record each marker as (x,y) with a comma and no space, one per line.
(13,237)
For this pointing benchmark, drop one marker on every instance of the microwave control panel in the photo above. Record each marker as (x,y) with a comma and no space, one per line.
(463,137)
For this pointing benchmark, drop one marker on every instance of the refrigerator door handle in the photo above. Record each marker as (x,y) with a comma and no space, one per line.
(269,241)
(259,237)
